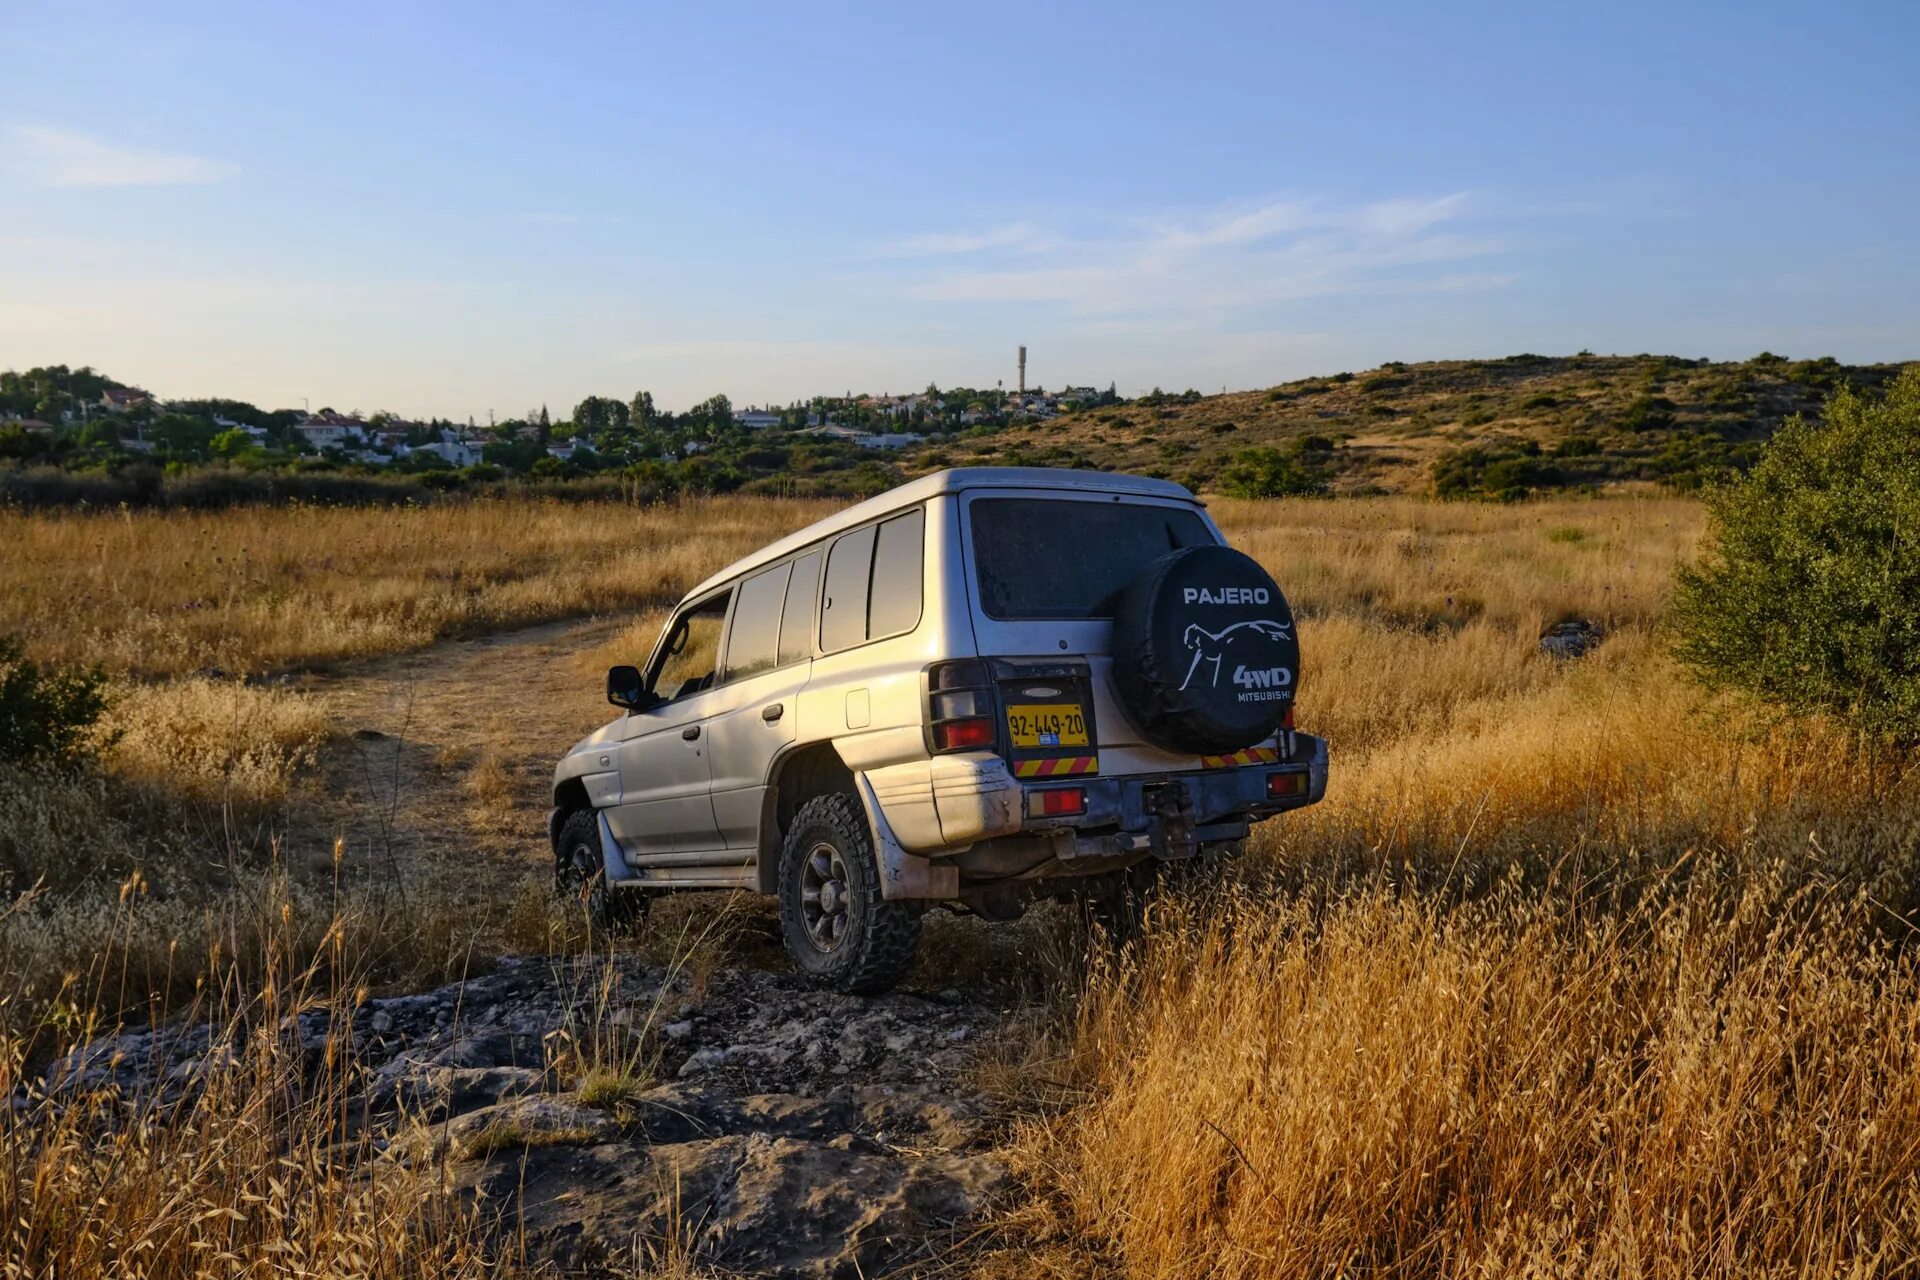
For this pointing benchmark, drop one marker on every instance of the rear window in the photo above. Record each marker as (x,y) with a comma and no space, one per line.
(1040,558)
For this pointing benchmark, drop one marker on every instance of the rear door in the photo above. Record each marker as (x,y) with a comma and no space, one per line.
(1044,570)
(756,708)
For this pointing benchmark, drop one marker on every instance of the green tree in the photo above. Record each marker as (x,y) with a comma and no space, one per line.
(231,444)
(1808,596)
(714,414)
(180,435)
(513,454)
(18,442)
(641,411)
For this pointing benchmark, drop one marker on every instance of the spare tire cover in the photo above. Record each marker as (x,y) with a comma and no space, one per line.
(1205,657)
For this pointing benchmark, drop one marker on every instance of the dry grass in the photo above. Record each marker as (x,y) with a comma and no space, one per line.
(216,739)
(259,589)
(1576,971)
(1385,1086)
(257,1169)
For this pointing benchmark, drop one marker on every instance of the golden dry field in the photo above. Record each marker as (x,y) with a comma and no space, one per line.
(252,590)
(1576,971)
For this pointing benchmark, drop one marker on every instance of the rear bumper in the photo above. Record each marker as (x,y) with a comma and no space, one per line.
(964,800)
(1175,815)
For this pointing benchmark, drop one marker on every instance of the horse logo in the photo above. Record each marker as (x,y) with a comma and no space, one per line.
(1214,647)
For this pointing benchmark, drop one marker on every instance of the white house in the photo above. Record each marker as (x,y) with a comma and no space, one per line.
(329,435)
(887,440)
(757,419)
(458,453)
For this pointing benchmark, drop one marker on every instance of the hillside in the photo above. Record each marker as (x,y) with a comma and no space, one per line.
(1463,428)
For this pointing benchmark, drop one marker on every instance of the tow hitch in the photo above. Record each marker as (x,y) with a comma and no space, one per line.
(1172,803)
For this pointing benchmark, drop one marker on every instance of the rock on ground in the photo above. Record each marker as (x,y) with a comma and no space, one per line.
(609,1110)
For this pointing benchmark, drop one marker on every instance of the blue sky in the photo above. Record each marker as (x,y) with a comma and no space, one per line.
(455,208)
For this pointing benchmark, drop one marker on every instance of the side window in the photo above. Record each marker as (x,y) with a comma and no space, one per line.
(692,652)
(753,638)
(796,623)
(843,610)
(895,595)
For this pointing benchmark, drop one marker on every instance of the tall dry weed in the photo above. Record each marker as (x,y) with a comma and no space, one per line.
(1377,1085)
(208,739)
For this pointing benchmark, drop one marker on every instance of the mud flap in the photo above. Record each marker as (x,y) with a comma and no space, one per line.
(903,874)
(611,853)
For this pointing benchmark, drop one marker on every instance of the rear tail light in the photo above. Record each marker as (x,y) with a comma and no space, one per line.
(1286,721)
(960,706)
(963,735)
(1286,786)
(1057,802)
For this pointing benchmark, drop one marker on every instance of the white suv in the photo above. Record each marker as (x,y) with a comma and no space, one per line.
(983,686)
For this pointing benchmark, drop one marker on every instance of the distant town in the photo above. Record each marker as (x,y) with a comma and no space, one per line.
(61,416)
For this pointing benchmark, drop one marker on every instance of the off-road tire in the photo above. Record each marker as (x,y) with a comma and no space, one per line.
(580,876)
(876,948)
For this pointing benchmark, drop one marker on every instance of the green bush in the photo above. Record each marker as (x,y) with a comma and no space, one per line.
(47,717)
(1648,413)
(1263,472)
(1507,472)
(1809,594)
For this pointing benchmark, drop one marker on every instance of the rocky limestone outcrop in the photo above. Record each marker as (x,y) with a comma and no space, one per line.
(609,1112)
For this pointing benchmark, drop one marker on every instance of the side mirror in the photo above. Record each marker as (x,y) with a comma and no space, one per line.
(626,689)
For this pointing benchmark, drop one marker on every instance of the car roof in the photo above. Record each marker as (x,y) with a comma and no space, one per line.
(951,480)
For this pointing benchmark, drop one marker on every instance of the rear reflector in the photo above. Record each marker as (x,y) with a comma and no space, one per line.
(960,704)
(1285,786)
(1286,721)
(1057,802)
(963,735)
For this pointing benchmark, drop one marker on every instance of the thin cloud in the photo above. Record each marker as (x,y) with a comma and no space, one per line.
(63,158)
(1018,236)
(1207,267)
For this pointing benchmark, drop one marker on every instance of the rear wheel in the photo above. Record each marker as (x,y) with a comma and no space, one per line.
(836,925)
(580,876)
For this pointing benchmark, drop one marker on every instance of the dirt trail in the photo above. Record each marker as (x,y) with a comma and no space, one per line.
(448,751)
(811,1134)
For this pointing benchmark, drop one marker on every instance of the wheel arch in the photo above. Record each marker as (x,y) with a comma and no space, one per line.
(798,775)
(569,797)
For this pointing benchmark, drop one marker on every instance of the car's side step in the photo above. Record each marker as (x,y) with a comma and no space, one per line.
(693,858)
(705,877)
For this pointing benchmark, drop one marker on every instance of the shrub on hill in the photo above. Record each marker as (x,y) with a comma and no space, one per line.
(1505,472)
(1262,472)
(1809,595)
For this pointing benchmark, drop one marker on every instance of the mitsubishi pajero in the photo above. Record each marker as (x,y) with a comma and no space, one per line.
(984,686)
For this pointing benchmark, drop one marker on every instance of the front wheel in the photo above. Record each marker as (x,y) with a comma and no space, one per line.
(580,876)
(836,926)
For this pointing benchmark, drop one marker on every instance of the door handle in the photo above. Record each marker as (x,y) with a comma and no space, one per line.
(773,711)
(691,732)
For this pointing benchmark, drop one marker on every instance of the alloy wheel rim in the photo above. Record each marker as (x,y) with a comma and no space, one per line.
(823,896)
(583,875)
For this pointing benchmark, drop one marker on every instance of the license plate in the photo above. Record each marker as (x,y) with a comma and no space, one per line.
(1047,724)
